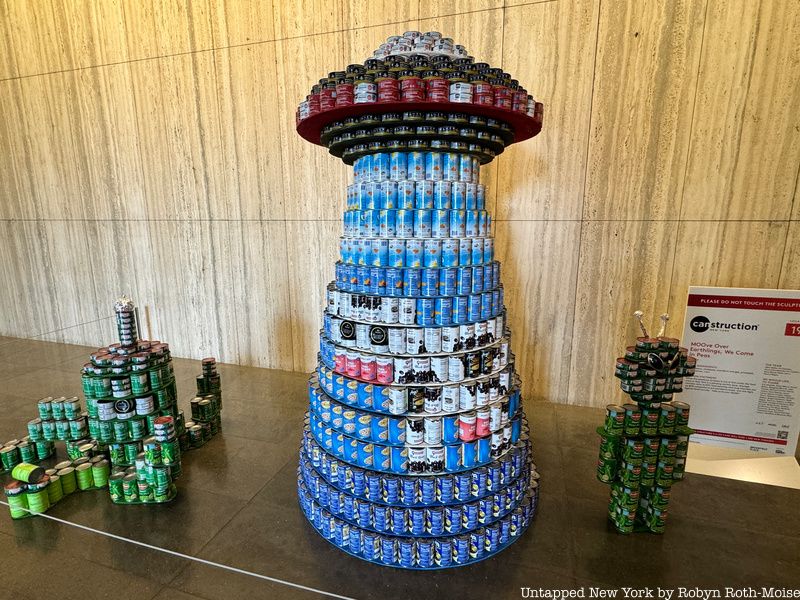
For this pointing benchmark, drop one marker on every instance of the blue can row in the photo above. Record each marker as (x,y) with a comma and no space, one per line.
(428,282)
(417,223)
(434,490)
(420,428)
(416,194)
(397,400)
(421,553)
(416,253)
(435,166)
(420,460)
(435,521)
(447,310)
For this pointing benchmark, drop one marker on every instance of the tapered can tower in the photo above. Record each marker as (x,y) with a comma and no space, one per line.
(416,452)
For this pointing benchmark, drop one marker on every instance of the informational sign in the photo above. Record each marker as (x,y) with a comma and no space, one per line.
(746,388)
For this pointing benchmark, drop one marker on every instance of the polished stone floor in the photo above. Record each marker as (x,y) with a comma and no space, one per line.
(237,506)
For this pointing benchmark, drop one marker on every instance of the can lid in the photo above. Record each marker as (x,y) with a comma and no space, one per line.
(65,471)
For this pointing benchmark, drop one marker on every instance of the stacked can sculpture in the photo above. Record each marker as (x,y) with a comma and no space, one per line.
(643,444)
(416,452)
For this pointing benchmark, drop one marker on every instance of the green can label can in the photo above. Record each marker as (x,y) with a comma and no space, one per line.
(608,447)
(131,451)
(632,450)
(116,453)
(631,474)
(35,430)
(606,470)
(681,413)
(91,407)
(49,430)
(27,452)
(145,491)
(668,447)
(115,489)
(664,472)
(170,453)
(130,488)
(62,429)
(666,420)
(72,408)
(9,456)
(106,431)
(152,451)
(650,416)
(163,477)
(656,520)
(633,419)
(615,418)
(682,446)
(679,469)
(120,431)
(45,409)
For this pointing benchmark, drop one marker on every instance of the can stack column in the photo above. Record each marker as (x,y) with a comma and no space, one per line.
(416,452)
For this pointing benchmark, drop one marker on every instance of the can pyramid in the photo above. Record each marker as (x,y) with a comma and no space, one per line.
(416,452)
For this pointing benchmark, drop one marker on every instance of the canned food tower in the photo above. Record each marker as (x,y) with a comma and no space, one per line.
(132,412)
(643,444)
(416,453)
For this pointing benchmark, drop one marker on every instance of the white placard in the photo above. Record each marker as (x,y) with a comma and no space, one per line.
(746,388)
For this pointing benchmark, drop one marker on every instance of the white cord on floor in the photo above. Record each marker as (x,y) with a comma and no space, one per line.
(188,557)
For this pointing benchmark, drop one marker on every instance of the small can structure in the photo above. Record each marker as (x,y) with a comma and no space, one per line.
(129,437)
(643,443)
(416,453)
(206,407)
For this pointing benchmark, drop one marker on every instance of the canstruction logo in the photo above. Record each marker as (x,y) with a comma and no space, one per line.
(701,324)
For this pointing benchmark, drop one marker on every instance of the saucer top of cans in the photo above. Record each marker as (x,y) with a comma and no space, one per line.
(411,73)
